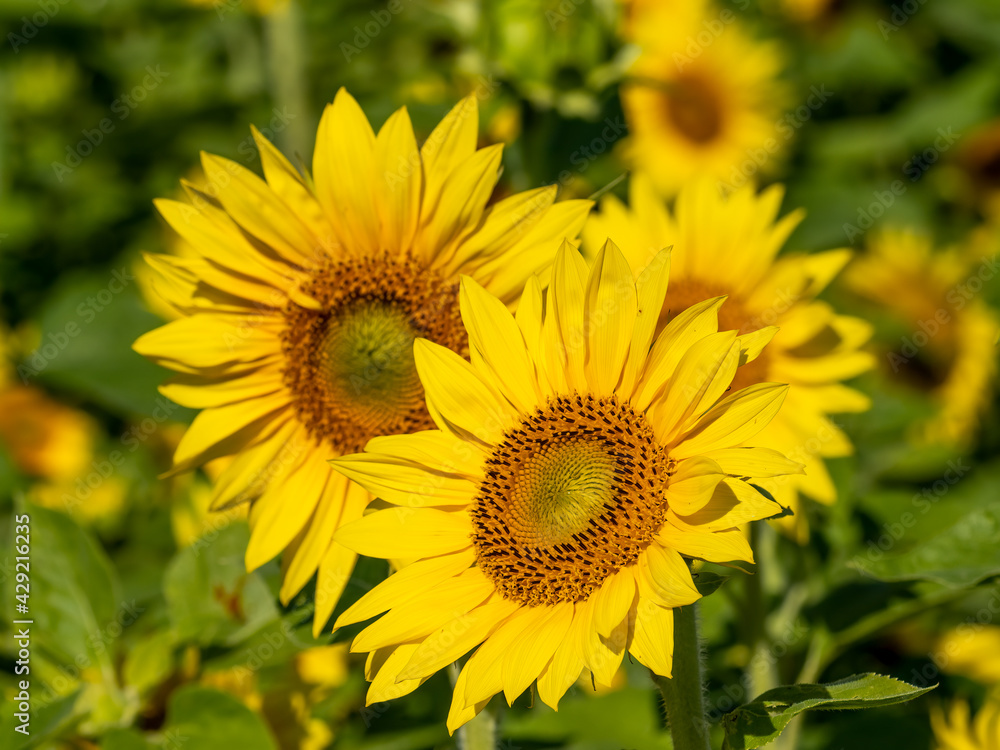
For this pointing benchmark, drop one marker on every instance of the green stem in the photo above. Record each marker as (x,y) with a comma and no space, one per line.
(480,733)
(285,38)
(683,693)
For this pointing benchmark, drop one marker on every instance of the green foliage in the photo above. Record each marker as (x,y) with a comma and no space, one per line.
(763,719)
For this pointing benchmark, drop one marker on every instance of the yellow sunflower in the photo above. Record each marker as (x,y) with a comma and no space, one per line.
(578,459)
(728,247)
(300,313)
(956,732)
(949,350)
(702,97)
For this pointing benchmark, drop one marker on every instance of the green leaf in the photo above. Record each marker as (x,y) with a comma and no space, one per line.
(212,599)
(47,722)
(960,556)
(150,661)
(204,719)
(763,719)
(75,597)
(708,583)
(125,739)
(87,330)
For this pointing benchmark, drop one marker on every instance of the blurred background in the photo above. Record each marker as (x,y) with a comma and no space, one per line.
(883,120)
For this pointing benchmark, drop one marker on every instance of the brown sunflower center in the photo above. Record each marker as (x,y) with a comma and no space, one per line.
(571,496)
(350,364)
(733,316)
(694,109)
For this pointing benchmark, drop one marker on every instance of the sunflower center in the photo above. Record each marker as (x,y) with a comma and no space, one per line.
(694,109)
(350,364)
(733,316)
(571,496)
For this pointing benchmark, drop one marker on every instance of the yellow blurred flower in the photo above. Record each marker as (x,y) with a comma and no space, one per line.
(44,437)
(950,350)
(957,731)
(702,97)
(972,651)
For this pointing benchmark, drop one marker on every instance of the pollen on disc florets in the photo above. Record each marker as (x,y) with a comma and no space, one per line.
(571,496)
(350,364)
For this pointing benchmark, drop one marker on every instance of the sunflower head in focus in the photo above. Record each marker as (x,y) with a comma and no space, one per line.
(300,311)
(948,348)
(727,248)
(575,463)
(959,731)
(703,97)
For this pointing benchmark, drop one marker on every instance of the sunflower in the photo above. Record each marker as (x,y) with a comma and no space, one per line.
(957,732)
(949,348)
(577,461)
(702,97)
(300,312)
(727,247)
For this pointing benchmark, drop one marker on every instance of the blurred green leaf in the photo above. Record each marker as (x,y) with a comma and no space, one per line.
(47,722)
(203,719)
(708,583)
(125,739)
(75,597)
(962,555)
(627,718)
(763,719)
(150,661)
(87,330)
(212,599)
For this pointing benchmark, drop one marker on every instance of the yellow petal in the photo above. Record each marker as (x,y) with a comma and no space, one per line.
(528,655)
(225,430)
(494,335)
(653,640)
(344,173)
(335,570)
(610,308)
(459,395)
(664,578)
(283,509)
(405,482)
(386,684)
(450,144)
(734,420)
(753,462)
(398,180)
(702,376)
(719,546)
(407,532)
(651,289)
(405,585)
(566,295)
(564,667)
(613,601)
(457,637)
(687,327)
(692,485)
(451,598)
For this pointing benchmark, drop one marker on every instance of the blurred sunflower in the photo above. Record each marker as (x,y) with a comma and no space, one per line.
(957,732)
(301,311)
(979,160)
(973,651)
(727,248)
(578,460)
(702,97)
(949,350)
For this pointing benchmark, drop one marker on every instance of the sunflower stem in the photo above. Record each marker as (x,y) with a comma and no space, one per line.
(683,694)
(286,48)
(480,733)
